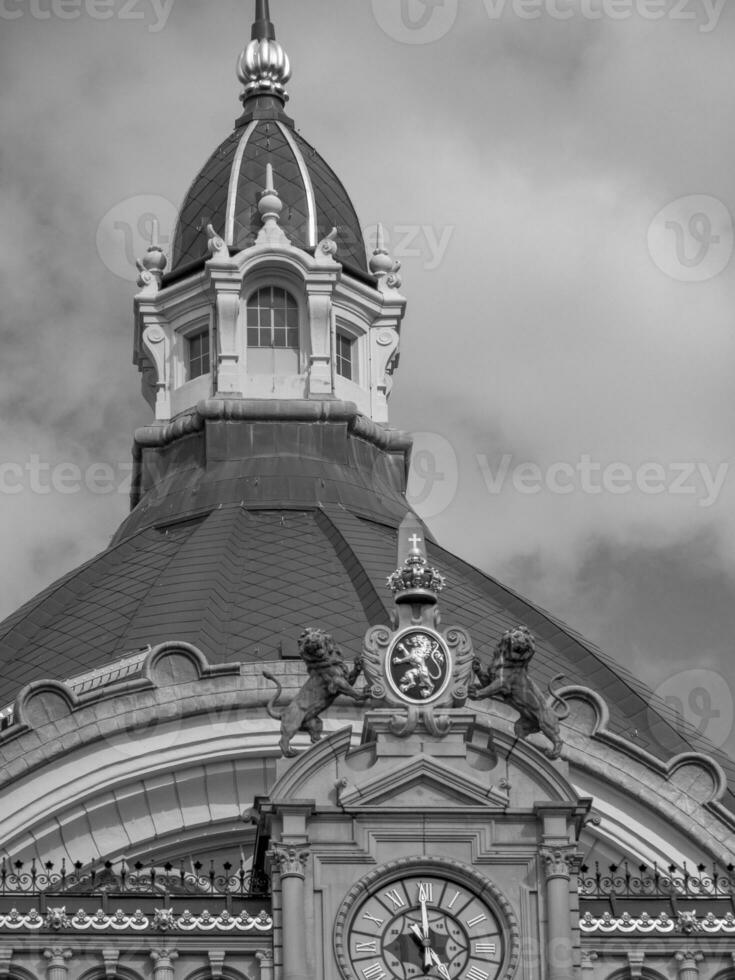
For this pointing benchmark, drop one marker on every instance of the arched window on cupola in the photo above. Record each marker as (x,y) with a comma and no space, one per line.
(272,331)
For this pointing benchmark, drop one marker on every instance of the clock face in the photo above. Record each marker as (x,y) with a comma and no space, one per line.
(424,925)
(418,666)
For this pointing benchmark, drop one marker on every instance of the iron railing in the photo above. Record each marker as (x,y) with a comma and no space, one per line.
(622,881)
(121,878)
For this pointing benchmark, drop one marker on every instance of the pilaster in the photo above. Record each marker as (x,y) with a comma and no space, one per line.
(6,955)
(265,959)
(588,960)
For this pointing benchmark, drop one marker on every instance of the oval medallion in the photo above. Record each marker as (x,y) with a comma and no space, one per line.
(418,665)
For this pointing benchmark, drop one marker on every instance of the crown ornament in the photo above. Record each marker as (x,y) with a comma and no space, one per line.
(416,575)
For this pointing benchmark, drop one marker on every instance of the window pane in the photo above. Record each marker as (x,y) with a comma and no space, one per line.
(198,355)
(273,319)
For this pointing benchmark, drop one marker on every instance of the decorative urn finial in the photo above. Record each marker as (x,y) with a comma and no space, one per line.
(264,67)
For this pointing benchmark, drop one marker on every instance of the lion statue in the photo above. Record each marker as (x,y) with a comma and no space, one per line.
(329,676)
(507,680)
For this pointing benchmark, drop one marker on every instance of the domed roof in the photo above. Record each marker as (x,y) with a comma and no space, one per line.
(225,194)
(226,191)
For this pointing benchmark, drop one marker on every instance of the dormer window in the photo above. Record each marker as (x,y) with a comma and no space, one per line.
(273,331)
(197,354)
(345,356)
(273,319)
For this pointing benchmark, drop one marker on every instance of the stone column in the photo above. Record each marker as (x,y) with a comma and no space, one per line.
(290,862)
(557,868)
(163,963)
(58,957)
(688,961)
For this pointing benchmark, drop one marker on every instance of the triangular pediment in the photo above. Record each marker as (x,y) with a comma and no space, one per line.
(424,782)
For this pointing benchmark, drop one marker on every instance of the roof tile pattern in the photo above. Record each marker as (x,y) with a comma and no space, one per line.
(208,198)
(241,585)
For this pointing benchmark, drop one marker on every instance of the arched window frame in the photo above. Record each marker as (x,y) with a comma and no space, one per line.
(294,286)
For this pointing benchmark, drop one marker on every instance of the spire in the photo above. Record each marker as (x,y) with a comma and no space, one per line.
(263,29)
(263,68)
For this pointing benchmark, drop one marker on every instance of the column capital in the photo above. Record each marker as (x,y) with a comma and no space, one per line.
(560,862)
(290,861)
(588,959)
(164,955)
(57,955)
(265,956)
(689,957)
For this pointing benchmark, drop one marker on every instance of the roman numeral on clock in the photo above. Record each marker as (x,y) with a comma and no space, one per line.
(369,947)
(376,972)
(473,922)
(373,918)
(426,891)
(481,948)
(454,899)
(395,897)
(475,973)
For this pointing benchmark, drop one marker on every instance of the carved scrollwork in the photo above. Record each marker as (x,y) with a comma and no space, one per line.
(216,244)
(403,725)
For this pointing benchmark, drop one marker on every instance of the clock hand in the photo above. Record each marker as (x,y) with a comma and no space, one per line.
(425,924)
(424,918)
(425,942)
(441,967)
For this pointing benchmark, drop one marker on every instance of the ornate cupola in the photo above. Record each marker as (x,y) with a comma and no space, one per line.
(268,295)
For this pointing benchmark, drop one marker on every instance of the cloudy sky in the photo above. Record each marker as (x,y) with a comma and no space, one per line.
(557,178)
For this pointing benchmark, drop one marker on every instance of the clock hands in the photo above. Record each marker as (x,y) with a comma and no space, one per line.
(425,940)
(441,967)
